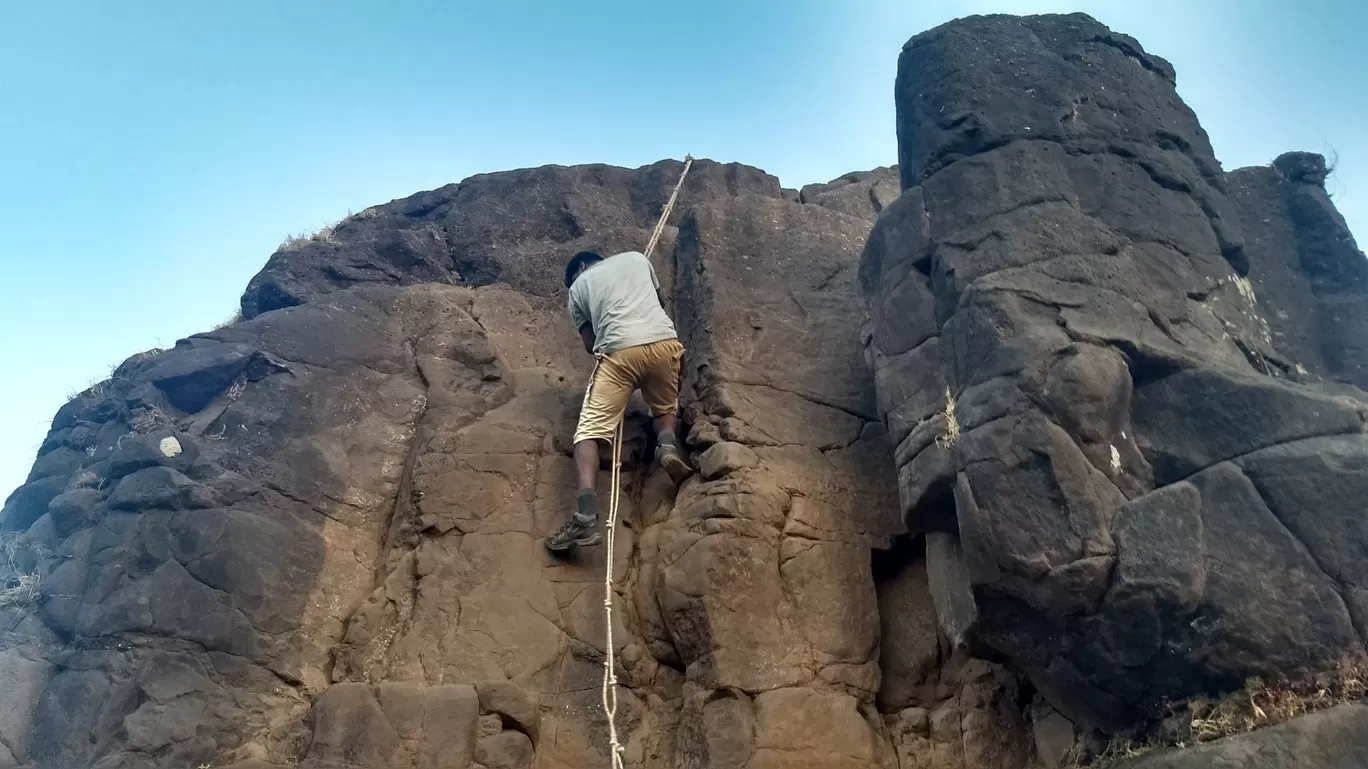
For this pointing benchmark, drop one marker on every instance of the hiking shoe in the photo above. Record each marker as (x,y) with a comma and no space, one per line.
(574,533)
(672,459)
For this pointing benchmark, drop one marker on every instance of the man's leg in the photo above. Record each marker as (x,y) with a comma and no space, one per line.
(660,388)
(587,467)
(609,387)
(665,425)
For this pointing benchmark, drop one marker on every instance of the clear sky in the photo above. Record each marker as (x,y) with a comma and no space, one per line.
(153,154)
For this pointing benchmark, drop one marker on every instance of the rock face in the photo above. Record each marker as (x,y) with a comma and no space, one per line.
(1150,484)
(313,537)
(1073,462)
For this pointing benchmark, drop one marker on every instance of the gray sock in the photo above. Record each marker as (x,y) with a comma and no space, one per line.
(588,502)
(666,438)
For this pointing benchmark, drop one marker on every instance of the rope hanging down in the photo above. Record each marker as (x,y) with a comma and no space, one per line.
(610,700)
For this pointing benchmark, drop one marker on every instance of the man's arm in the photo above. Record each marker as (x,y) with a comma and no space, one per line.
(587,336)
(582,322)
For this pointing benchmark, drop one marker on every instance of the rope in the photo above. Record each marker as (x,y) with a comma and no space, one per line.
(610,699)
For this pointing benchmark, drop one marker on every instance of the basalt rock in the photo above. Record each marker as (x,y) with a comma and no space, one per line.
(1069,466)
(1305,266)
(1120,380)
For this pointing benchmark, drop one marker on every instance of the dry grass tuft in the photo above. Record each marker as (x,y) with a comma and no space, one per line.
(235,318)
(144,356)
(951,436)
(237,388)
(327,234)
(19,587)
(21,591)
(1120,749)
(1259,704)
(96,391)
(1256,706)
(1245,287)
(148,419)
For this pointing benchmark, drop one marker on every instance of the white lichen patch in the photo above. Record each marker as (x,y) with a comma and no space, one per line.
(1115,458)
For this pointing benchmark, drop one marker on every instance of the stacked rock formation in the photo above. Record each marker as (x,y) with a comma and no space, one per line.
(1074,430)
(1117,377)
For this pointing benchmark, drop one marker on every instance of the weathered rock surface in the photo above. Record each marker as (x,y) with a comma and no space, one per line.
(313,537)
(1124,438)
(1070,439)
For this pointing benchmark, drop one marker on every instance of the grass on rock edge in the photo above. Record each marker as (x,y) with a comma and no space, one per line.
(1257,705)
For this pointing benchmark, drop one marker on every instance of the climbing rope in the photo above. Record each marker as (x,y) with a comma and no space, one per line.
(610,701)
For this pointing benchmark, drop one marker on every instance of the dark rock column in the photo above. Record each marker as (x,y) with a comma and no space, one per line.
(1085,393)
(1304,261)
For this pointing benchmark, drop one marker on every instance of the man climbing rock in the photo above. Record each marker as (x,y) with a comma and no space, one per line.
(615,304)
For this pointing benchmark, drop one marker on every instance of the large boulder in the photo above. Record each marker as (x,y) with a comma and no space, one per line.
(1149,496)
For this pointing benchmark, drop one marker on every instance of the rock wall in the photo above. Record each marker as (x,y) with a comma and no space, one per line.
(313,537)
(1134,493)
(1074,429)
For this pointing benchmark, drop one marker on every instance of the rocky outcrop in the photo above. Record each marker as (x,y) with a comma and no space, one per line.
(1142,494)
(1304,265)
(312,536)
(1082,456)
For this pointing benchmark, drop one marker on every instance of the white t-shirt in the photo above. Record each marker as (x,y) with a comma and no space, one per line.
(617,296)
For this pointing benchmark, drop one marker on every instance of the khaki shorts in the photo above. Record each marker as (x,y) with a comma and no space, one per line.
(654,368)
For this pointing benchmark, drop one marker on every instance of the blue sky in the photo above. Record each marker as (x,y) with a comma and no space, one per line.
(153,154)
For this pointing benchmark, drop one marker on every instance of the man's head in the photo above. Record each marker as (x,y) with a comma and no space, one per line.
(579,263)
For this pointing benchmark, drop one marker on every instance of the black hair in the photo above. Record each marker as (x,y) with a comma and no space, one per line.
(578,262)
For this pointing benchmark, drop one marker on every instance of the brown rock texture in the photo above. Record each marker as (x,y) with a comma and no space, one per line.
(313,537)
(1075,428)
